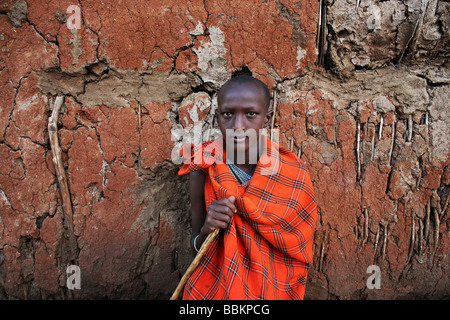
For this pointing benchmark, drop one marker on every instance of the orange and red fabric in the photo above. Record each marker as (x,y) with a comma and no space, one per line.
(267,250)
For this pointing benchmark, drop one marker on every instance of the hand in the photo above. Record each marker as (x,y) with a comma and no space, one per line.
(219,214)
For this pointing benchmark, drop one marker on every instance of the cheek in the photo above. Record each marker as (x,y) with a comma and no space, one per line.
(259,122)
(222,126)
(222,122)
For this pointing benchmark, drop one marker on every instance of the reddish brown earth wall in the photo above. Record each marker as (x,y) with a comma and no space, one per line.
(361,93)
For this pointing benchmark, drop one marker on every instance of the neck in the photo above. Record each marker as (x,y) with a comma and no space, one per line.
(246,160)
(248,168)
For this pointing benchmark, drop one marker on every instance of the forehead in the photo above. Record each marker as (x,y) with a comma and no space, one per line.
(244,94)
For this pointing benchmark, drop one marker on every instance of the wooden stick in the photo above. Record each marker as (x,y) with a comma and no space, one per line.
(139,117)
(411,245)
(427,221)
(319,24)
(392,141)
(60,173)
(417,30)
(322,248)
(274,109)
(383,249)
(373,144)
(194,264)
(420,239)
(437,223)
(381,128)
(358,138)
(366,226)
(376,244)
(56,150)
(410,129)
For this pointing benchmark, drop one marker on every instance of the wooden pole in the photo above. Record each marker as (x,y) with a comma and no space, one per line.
(194,264)
(60,173)
(274,109)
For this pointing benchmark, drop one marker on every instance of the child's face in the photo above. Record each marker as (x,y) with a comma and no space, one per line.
(241,113)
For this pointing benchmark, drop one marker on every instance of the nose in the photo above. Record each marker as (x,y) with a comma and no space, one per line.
(238,122)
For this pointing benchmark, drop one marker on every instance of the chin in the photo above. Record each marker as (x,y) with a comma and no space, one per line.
(244,150)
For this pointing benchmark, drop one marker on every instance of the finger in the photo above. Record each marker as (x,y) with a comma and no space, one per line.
(222,209)
(224,205)
(232,199)
(229,202)
(218,220)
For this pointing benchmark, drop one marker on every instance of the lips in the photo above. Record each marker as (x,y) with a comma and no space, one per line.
(238,139)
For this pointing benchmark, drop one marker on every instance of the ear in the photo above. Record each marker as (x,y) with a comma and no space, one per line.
(216,115)
(269,115)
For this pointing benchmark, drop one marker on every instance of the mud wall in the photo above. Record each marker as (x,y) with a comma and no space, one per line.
(360,92)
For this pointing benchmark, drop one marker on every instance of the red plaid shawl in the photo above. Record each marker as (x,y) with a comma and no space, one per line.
(268,248)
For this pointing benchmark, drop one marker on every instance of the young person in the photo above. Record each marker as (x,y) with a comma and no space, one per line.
(261,197)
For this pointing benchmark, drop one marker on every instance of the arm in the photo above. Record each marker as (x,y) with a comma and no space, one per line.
(198,207)
(204,221)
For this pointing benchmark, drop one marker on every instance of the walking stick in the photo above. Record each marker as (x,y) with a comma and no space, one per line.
(194,264)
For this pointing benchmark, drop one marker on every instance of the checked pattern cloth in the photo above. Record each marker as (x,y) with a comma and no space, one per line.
(267,250)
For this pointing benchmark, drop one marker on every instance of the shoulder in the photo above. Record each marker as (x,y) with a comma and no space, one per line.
(198,157)
(291,159)
(285,158)
(291,171)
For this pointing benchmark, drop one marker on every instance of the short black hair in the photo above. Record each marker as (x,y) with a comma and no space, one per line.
(246,79)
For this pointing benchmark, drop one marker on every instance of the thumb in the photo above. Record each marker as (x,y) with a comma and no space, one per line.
(232,199)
